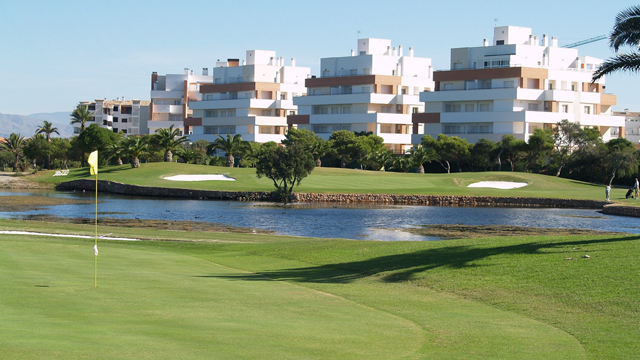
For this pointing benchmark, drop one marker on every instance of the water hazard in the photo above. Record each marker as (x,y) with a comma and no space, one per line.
(370,222)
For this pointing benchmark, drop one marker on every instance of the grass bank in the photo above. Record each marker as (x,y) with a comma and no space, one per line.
(334,180)
(235,296)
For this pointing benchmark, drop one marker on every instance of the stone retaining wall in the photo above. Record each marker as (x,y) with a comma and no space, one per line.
(621,210)
(431,200)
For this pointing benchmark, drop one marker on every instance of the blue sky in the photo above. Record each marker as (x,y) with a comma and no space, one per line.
(54,54)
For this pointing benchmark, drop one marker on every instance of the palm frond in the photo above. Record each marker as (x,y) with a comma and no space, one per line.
(626,30)
(620,62)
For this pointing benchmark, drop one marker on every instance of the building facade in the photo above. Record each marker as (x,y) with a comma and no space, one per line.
(631,125)
(170,97)
(517,84)
(252,99)
(374,90)
(129,117)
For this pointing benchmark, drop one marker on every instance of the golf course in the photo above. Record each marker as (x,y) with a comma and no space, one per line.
(171,294)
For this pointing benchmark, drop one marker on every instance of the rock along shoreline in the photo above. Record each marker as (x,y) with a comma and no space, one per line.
(425,200)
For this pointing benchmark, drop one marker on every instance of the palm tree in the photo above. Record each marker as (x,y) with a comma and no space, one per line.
(231,146)
(420,155)
(47,128)
(135,146)
(168,140)
(117,151)
(626,32)
(81,115)
(15,145)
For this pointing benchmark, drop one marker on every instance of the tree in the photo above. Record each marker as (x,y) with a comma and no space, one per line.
(81,115)
(168,140)
(286,166)
(482,154)
(509,148)
(47,129)
(401,163)
(420,155)
(540,144)
(37,149)
(314,143)
(621,159)
(452,149)
(378,160)
(134,147)
(96,137)
(116,151)
(232,146)
(626,32)
(342,143)
(187,155)
(15,146)
(570,138)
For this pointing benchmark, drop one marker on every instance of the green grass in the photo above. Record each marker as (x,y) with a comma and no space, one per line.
(334,180)
(242,296)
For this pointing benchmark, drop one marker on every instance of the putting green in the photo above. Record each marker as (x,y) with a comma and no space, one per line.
(158,305)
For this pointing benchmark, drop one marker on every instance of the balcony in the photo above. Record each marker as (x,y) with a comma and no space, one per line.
(343,99)
(381,118)
(161,94)
(167,109)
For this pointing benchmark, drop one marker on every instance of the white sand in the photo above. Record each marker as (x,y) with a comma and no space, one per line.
(199,178)
(498,184)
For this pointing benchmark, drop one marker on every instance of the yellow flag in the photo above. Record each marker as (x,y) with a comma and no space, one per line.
(93,162)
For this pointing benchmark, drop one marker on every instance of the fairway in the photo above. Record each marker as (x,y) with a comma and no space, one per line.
(152,305)
(336,180)
(168,300)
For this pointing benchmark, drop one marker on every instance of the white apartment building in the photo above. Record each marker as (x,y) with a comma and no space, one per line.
(170,97)
(374,90)
(517,84)
(631,126)
(127,116)
(252,99)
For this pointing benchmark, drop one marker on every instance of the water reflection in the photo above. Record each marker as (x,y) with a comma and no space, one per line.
(351,221)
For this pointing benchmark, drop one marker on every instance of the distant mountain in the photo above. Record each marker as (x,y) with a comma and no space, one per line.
(27,125)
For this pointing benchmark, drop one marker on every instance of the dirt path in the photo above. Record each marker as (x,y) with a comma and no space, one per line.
(10,181)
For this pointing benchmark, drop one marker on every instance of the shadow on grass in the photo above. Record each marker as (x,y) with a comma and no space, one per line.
(401,267)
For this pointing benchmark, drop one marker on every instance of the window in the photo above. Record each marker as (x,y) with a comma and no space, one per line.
(509,84)
(452,108)
(124,131)
(365,89)
(469,108)
(316,92)
(176,102)
(346,109)
(208,113)
(565,108)
(499,42)
(104,122)
(366,71)
(124,120)
(532,107)
(452,129)
(587,109)
(483,107)
(386,129)
(292,112)
(115,119)
(231,129)
(115,130)
(385,109)
(115,107)
(448,86)
(320,129)
(335,109)
(353,72)
(266,112)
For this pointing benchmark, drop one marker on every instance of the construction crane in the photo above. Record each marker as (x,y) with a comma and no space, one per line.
(587,41)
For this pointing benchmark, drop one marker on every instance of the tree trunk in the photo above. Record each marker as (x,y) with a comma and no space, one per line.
(511,163)
(48,164)
(500,160)
(318,162)
(612,177)
(420,169)
(559,170)
(343,163)
(168,156)
(230,160)
(119,161)
(135,163)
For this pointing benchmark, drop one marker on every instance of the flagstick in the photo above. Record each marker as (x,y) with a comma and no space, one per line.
(95,266)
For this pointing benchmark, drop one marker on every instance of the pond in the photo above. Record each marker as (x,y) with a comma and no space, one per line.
(366,222)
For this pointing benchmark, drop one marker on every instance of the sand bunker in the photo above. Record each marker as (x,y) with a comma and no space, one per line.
(200,178)
(498,184)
